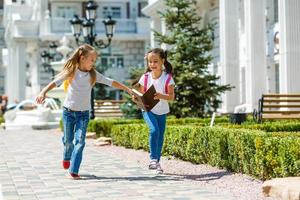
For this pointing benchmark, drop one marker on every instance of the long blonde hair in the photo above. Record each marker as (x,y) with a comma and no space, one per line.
(73,63)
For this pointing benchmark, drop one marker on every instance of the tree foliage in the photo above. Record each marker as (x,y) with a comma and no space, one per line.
(189,45)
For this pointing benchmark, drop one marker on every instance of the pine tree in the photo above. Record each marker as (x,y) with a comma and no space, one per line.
(189,44)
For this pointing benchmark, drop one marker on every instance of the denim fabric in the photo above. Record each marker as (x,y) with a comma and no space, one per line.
(157,125)
(75,126)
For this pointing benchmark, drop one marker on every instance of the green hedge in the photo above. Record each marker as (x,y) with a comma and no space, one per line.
(206,121)
(131,136)
(253,152)
(278,156)
(262,150)
(103,127)
(290,126)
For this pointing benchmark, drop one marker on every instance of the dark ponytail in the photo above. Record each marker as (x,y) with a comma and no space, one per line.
(167,64)
(163,55)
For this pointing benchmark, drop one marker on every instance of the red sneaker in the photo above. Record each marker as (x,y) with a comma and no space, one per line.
(75,176)
(66,164)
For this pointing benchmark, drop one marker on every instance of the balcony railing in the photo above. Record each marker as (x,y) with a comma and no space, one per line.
(62,25)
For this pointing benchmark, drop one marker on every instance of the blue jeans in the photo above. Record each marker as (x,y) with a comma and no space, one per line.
(157,126)
(75,125)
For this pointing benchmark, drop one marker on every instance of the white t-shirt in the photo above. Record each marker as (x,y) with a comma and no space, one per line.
(162,107)
(79,90)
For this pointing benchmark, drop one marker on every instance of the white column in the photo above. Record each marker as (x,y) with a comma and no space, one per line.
(289,45)
(155,25)
(10,86)
(34,57)
(256,69)
(229,52)
(270,52)
(44,17)
(16,77)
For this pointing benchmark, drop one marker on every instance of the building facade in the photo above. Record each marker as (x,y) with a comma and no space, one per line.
(30,25)
(2,45)
(256,46)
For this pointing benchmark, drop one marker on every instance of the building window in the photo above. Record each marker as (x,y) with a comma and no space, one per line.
(65,12)
(141,5)
(120,62)
(275,10)
(127,10)
(112,61)
(277,83)
(113,11)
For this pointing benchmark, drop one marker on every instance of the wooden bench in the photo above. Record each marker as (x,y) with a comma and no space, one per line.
(278,106)
(108,108)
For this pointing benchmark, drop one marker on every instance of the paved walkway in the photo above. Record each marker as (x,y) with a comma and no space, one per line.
(30,168)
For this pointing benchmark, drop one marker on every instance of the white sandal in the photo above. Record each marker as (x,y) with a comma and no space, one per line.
(159,170)
(153,164)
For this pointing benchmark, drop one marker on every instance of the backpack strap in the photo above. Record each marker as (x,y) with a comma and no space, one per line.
(145,81)
(167,83)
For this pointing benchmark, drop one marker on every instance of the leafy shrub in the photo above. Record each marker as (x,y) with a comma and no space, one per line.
(254,152)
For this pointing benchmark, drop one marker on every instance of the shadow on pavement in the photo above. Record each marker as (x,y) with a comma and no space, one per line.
(129,178)
(201,177)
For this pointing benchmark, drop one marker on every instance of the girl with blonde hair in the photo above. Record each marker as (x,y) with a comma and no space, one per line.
(78,76)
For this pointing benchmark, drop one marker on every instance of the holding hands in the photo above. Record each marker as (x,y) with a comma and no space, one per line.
(133,98)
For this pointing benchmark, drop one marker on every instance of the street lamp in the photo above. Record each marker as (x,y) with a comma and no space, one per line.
(48,57)
(87,28)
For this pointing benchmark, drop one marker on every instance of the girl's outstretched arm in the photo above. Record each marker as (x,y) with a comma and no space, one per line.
(120,86)
(41,97)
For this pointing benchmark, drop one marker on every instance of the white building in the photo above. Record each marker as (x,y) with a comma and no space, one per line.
(2,45)
(30,25)
(257,46)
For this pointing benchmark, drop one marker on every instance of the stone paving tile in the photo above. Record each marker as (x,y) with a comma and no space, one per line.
(30,168)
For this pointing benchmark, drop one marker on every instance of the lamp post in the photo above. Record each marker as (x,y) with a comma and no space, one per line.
(48,57)
(88,30)
(53,60)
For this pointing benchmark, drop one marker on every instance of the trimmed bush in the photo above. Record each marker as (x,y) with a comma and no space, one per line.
(289,126)
(103,127)
(241,150)
(131,136)
(252,152)
(206,121)
(262,150)
(277,156)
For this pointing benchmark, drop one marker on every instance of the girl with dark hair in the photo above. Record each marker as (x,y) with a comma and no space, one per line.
(159,74)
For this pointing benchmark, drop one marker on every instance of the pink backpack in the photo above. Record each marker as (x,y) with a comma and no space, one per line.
(166,85)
